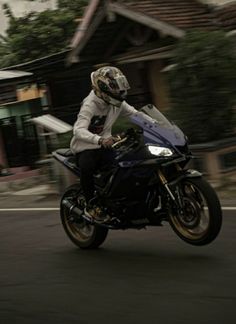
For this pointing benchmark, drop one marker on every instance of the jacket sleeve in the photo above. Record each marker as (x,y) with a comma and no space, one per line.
(81,126)
(127,110)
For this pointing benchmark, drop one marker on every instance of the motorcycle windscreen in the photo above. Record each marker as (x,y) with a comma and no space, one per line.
(157,129)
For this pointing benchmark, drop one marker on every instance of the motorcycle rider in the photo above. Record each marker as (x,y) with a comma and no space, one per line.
(92,138)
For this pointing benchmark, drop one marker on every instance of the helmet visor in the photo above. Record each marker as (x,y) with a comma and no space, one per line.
(121,83)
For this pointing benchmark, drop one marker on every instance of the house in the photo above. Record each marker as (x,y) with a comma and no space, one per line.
(145,33)
(15,100)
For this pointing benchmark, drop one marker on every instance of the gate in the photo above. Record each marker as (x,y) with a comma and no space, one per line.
(13,143)
(31,142)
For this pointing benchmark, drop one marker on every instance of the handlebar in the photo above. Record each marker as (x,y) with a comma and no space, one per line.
(121,140)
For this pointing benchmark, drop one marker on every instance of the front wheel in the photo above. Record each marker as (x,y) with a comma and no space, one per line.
(199,220)
(80,232)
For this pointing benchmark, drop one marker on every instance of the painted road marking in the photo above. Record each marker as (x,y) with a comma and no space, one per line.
(29,209)
(57,209)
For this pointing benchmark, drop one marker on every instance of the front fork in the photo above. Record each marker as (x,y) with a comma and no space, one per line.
(172,187)
(165,184)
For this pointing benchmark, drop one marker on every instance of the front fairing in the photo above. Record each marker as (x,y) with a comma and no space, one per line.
(157,129)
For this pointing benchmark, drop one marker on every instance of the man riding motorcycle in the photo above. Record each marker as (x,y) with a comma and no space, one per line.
(92,136)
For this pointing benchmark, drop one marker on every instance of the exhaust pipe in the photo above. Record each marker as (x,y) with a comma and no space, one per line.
(73,209)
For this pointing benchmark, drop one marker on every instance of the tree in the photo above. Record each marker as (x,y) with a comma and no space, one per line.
(73,6)
(39,34)
(202,85)
(6,58)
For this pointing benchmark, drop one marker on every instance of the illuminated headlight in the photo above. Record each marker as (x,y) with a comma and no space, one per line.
(159,151)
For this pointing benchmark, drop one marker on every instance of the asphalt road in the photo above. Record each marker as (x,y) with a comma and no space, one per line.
(147,276)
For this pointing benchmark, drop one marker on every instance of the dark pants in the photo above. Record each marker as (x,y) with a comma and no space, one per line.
(89,162)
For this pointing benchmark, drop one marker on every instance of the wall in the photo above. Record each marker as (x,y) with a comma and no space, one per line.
(4,112)
(158,85)
(29,92)
(13,128)
(3,159)
(210,159)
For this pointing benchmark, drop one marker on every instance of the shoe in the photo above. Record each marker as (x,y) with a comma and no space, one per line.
(96,214)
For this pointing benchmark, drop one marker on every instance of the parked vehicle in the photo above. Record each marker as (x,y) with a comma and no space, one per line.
(149,184)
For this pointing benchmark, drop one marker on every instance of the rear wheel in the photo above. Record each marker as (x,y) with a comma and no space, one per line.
(199,220)
(80,232)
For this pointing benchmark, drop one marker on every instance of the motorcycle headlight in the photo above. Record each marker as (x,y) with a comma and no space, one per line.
(159,151)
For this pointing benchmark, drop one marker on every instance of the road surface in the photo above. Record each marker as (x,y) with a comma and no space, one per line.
(146,276)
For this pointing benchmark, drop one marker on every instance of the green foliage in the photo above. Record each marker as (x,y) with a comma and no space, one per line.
(203,86)
(39,34)
(73,6)
(5,52)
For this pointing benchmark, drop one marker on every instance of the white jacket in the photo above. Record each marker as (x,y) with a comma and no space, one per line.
(95,120)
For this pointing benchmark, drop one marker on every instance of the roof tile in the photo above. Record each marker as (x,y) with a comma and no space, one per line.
(226,15)
(186,14)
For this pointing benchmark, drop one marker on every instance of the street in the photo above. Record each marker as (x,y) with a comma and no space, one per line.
(146,276)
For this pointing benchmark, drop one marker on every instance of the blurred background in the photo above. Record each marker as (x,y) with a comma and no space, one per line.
(178,55)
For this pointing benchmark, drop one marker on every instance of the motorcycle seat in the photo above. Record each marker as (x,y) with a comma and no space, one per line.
(65,152)
(70,158)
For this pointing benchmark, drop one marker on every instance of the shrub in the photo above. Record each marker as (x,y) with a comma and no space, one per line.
(203,86)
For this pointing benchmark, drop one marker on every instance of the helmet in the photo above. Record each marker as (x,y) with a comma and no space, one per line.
(110,84)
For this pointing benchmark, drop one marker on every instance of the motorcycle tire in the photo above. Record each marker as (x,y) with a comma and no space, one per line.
(200,221)
(80,232)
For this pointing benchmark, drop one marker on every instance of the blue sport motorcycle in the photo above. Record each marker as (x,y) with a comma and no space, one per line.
(148,184)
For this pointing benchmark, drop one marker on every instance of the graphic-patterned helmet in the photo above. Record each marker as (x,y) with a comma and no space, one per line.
(110,84)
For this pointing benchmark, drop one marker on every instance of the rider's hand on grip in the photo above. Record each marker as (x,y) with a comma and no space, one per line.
(107,142)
